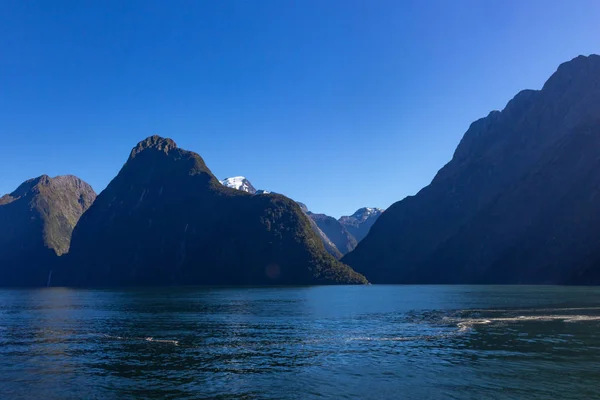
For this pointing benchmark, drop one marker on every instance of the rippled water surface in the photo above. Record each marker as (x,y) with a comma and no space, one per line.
(369,342)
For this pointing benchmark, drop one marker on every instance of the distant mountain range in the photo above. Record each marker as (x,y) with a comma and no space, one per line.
(516,204)
(338,236)
(359,224)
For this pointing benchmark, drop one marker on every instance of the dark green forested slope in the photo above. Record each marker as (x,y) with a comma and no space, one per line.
(166,220)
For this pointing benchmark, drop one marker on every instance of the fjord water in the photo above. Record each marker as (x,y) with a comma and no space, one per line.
(350,342)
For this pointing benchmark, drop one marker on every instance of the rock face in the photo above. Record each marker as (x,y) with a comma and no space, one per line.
(36,223)
(335,232)
(166,220)
(518,202)
(330,247)
(359,223)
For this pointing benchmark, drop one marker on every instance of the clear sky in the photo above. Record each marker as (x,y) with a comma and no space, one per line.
(338,104)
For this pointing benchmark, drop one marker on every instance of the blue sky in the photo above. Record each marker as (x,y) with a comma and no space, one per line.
(338,104)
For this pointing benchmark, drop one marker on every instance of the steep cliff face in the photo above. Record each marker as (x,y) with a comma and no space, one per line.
(36,223)
(516,202)
(335,232)
(166,220)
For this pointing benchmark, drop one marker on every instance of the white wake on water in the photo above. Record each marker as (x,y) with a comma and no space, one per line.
(147,339)
(151,339)
(466,324)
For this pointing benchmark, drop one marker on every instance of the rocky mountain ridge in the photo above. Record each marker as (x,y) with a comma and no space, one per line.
(166,220)
(516,204)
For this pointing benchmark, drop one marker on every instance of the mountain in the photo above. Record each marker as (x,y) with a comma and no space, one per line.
(243,184)
(36,223)
(346,232)
(518,202)
(166,220)
(239,183)
(359,223)
(330,247)
(335,232)
(338,237)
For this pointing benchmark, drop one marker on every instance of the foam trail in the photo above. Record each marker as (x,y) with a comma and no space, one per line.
(147,339)
(533,309)
(467,324)
(151,339)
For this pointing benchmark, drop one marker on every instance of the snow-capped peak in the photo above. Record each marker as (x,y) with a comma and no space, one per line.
(239,183)
(367,212)
(361,215)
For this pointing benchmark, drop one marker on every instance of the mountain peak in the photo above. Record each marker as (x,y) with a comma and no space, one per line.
(239,183)
(44,180)
(574,83)
(29,184)
(36,223)
(580,61)
(579,69)
(359,223)
(154,142)
(165,219)
(366,212)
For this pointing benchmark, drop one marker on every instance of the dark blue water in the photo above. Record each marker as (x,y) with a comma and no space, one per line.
(369,342)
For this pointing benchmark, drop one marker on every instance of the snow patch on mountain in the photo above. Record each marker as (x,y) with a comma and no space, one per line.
(365,213)
(359,223)
(239,183)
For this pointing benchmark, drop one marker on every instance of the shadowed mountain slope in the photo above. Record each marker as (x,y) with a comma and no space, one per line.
(518,202)
(166,220)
